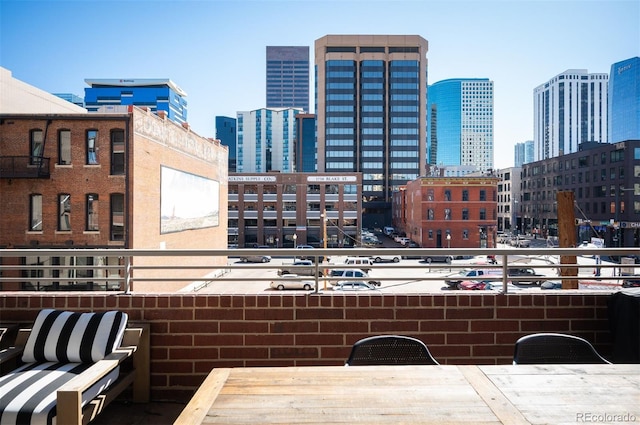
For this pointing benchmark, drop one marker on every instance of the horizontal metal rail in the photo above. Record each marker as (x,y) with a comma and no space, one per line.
(127,272)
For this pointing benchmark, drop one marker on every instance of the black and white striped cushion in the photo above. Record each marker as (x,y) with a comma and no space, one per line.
(28,394)
(64,336)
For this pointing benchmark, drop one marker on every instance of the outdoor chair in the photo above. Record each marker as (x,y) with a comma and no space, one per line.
(551,348)
(390,350)
(69,366)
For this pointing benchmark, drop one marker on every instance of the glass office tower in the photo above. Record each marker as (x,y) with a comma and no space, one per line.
(624,101)
(288,77)
(226,133)
(305,160)
(370,106)
(460,123)
(568,110)
(156,94)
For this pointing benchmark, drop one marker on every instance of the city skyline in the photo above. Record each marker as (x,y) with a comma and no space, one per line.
(215,50)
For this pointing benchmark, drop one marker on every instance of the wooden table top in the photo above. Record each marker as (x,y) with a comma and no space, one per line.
(523,394)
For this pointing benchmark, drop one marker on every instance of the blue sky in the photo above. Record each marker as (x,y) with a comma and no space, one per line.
(215,49)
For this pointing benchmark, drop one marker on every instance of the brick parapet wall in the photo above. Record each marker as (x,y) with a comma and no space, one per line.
(191,334)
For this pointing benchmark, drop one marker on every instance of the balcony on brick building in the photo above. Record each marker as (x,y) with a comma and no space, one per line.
(24,167)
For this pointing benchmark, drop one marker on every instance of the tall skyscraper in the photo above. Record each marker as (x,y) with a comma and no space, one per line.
(265,140)
(523,153)
(305,160)
(226,133)
(624,100)
(569,109)
(288,77)
(460,123)
(371,100)
(157,94)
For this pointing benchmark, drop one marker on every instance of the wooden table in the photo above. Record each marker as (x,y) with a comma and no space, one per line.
(522,394)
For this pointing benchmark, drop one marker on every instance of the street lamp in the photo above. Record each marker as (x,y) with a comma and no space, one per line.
(617,216)
(295,239)
(448,240)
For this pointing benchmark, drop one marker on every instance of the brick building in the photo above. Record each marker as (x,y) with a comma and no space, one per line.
(429,209)
(131,180)
(285,209)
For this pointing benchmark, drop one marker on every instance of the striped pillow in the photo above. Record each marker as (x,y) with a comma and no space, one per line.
(64,336)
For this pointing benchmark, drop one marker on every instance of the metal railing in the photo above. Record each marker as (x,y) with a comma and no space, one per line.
(120,269)
(24,167)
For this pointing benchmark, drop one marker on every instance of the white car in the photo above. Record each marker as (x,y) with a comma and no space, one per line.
(354,285)
(385,258)
(291,281)
(588,245)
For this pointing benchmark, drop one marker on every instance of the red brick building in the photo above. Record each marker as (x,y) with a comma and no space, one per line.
(441,212)
(131,180)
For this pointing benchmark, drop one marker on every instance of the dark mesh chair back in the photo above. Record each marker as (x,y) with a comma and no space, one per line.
(390,350)
(550,348)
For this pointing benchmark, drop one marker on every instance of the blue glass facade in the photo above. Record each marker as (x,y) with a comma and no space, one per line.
(288,77)
(444,123)
(306,160)
(624,101)
(460,123)
(157,95)
(226,133)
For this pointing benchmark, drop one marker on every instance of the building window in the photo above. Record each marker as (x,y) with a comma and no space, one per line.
(35,213)
(465,195)
(64,147)
(483,195)
(92,147)
(465,214)
(92,212)
(430,195)
(36,147)
(117,217)
(430,215)
(64,212)
(290,188)
(430,234)
(117,151)
(447,195)
(483,213)
(465,234)
(313,188)
(447,213)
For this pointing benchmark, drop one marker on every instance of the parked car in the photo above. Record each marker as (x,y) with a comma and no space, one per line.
(631,283)
(309,257)
(301,268)
(411,256)
(364,263)
(290,281)
(475,285)
(470,274)
(353,285)
(525,275)
(382,258)
(257,258)
(353,274)
(438,259)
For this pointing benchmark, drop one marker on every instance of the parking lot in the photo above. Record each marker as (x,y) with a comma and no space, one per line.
(405,276)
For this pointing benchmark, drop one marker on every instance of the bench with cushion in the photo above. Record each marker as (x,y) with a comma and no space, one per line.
(71,366)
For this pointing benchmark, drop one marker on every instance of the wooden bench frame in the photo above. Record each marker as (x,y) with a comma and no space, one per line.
(69,410)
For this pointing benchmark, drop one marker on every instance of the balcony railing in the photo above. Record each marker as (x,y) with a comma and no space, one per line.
(119,269)
(24,167)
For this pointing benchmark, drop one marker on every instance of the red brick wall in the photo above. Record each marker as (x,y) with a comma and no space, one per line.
(191,334)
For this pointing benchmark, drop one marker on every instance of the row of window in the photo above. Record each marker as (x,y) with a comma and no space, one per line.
(291,189)
(447,214)
(482,195)
(91,211)
(91,157)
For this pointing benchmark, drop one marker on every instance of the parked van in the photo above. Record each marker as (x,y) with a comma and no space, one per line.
(388,230)
(363,262)
(471,274)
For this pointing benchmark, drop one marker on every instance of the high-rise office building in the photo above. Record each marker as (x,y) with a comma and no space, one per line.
(568,110)
(226,133)
(624,101)
(523,153)
(305,159)
(460,123)
(265,140)
(156,94)
(288,77)
(371,102)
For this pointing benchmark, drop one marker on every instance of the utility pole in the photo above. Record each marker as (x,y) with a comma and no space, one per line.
(567,237)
